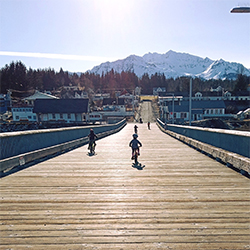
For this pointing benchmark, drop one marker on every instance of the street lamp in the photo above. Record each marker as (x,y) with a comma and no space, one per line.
(240,10)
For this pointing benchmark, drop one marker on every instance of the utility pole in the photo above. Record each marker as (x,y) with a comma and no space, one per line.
(173,109)
(190,101)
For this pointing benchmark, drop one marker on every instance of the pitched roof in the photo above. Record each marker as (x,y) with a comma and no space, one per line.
(45,106)
(198,105)
(40,95)
(208,104)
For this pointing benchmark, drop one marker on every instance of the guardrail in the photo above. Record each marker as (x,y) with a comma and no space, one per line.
(19,148)
(230,147)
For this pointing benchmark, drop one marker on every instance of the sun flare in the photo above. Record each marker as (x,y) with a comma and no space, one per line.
(113,12)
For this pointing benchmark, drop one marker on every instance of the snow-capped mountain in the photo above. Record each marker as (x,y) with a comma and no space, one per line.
(174,64)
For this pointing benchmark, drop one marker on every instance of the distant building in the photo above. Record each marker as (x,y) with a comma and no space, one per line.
(165,100)
(115,107)
(200,109)
(38,95)
(95,117)
(222,95)
(20,114)
(114,104)
(213,94)
(70,87)
(61,110)
(97,97)
(159,90)
(240,96)
(5,102)
(81,94)
(138,91)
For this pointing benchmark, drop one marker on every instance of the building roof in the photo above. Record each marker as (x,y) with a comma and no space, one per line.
(170,94)
(46,106)
(198,105)
(39,95)
(242,93)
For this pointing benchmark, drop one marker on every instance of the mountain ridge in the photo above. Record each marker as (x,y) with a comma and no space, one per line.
(173,65)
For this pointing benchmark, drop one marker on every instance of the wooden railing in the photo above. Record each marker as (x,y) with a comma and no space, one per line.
(19,148)
(230,147)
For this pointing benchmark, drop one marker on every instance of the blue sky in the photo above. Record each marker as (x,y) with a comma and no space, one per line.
(77,35)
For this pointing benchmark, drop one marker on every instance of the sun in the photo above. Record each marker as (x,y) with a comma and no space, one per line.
(113,12)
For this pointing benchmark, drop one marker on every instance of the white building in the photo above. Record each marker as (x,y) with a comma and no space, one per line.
(23,114)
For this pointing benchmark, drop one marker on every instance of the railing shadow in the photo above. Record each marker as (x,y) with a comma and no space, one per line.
(16,169)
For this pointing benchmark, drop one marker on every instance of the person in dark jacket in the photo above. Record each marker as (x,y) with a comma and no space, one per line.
(92,136)
(135,144)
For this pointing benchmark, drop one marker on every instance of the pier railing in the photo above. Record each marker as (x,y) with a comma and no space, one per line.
(19,148)
(230,147)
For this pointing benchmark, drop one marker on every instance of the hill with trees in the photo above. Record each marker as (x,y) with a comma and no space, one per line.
(22,81)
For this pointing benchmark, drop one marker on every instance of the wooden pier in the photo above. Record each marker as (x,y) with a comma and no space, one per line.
(176,198)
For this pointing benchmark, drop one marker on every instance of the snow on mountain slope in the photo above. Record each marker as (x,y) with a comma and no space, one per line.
(174,64)
(221,69)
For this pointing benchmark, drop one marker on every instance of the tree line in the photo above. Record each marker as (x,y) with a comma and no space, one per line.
(16,76)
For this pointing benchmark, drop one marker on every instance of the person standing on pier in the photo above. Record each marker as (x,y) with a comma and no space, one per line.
(136,129)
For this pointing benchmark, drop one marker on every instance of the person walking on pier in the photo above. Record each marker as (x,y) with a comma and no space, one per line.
(148,125)
(136,129)
(92,136)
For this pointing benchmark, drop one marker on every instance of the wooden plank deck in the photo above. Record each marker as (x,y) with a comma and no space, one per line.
(178,199)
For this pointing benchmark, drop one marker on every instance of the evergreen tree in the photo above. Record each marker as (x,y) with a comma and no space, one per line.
(241,83)
(145,84)
(15,76)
